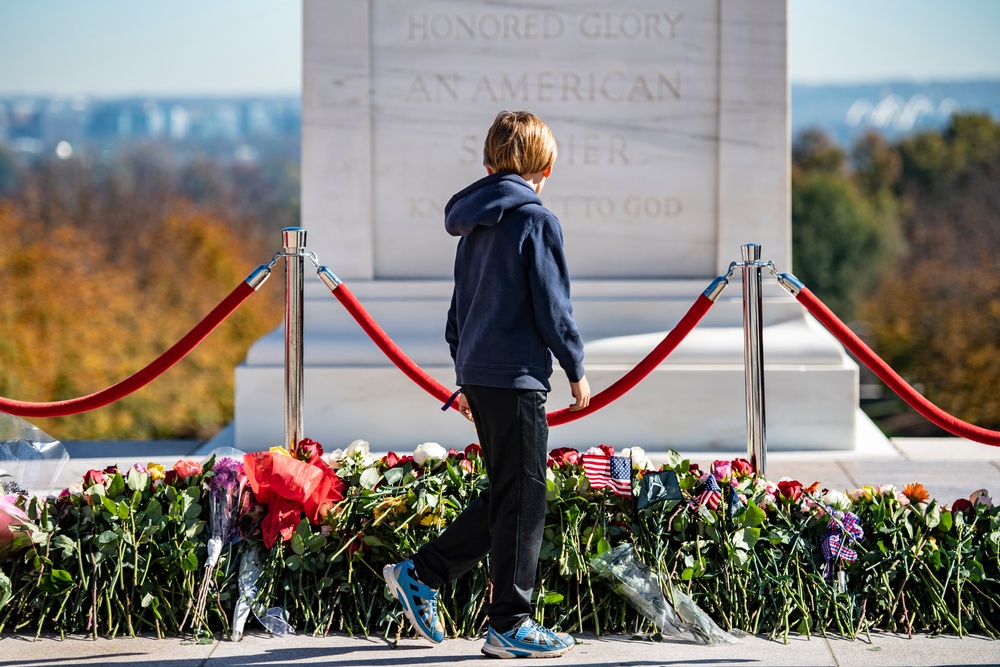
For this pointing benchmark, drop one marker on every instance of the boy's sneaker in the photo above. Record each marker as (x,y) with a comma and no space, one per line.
(419,600)
(528,640)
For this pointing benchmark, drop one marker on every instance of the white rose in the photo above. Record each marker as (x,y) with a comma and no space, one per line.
(357,449)
(335,458)
(429,451)
(887,490)
(838,500)
(639,459)
(595,450)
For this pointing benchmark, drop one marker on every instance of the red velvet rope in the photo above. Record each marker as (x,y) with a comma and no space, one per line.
(890,377)
(598,401)
(141,378)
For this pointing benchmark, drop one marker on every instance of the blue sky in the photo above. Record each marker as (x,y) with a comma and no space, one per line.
(121,47)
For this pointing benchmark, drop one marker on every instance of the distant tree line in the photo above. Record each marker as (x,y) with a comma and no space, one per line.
(903,240)
(107,264)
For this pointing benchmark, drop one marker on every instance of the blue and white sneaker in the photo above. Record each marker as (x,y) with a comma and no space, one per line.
(418,599)
(528,640)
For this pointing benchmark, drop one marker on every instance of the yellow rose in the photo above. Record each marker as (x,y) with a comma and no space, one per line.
(280,450)
(156,471)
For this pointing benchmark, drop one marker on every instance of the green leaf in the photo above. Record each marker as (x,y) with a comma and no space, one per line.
(603,546)
(61,576)
(107,537)
(195,529)
(946,522)
(933,516)
(153,513)
(150,600)
(298,546)
(117,486)
(66,544)
(754,516)
(552,598)
(190,562)
(6,590)
(393,476)
(372,541)
(137,481)
(109,505)
(369,478)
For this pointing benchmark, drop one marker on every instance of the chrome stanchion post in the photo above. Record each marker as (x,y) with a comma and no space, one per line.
(753,357)
(294,241)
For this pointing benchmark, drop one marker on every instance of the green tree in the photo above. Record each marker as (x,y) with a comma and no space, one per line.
(842,238)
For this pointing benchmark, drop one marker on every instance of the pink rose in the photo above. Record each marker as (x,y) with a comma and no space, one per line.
(10,514)
(563,456)
(722,470)
(92,477)
(185,469)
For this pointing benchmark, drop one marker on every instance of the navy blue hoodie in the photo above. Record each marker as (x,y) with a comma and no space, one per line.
(511,303)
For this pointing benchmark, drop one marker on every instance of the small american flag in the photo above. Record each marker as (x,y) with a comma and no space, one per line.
(711,496)
(614,471)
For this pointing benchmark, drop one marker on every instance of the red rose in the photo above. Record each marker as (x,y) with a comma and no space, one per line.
(961,505)
(742,468)
(309,451)
(608,450)
(186,469)
(170,477)
(564,456)
(790,489)
(394,460)
(455,454)
(92,477)
(473,448)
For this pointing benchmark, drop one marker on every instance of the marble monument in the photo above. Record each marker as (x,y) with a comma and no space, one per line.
(672,123)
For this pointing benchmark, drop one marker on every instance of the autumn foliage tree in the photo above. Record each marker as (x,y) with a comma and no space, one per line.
(936,318)
(103,270)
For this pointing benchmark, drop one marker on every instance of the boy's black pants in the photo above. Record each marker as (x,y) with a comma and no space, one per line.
(508,518)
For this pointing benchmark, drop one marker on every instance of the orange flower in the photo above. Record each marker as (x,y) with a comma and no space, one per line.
(185,469)
(916,492)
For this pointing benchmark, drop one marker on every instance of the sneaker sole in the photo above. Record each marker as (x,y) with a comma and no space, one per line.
(389,574)
(509,652)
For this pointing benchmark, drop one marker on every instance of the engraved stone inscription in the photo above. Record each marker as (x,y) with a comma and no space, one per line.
(629,93)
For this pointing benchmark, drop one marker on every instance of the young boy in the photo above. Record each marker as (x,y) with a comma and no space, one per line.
(510,313)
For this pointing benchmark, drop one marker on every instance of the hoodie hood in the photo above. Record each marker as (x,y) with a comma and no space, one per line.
(486,201)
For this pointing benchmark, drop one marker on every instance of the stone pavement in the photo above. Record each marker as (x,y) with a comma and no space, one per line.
(340,651)
(949,468)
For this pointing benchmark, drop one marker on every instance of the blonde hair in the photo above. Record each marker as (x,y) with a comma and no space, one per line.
(519,143)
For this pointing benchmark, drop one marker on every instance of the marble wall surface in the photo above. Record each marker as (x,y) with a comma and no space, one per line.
(658,108)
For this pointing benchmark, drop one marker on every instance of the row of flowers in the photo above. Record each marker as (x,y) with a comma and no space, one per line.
(154,550)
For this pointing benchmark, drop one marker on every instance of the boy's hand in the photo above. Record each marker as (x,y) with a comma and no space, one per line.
(463,407)
(581,392)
